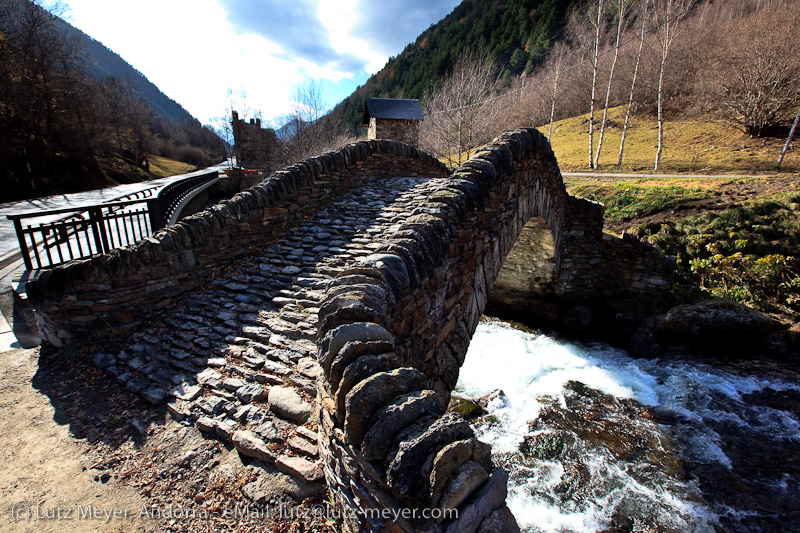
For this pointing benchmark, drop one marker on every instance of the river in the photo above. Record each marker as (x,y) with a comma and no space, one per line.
(595,440)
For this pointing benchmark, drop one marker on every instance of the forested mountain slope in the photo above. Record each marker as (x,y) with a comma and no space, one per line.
(517,34)
(102,63)
(76,116)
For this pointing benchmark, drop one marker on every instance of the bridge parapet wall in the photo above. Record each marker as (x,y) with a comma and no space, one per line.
(393,332)
(112,293)
(395,327)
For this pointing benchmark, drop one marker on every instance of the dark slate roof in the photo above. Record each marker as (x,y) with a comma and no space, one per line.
(394,108)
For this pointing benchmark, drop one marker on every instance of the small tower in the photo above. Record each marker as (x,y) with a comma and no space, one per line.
(393,118)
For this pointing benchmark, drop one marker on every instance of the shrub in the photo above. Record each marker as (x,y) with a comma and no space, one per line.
(747,254)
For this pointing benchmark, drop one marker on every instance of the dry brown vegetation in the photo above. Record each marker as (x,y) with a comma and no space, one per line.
(735,61)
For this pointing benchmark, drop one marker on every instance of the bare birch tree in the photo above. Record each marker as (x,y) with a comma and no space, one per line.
(557,58)
(789,139)
(633,86)
(312,130)
(459,114)
(597,30)
(668,15)
(621,16)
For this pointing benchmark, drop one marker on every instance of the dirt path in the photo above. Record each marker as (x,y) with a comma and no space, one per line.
(47,471)
(74,439)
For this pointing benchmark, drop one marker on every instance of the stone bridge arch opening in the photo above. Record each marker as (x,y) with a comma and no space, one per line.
(528,275)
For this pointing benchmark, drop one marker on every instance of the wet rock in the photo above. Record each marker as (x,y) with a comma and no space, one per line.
(500,521)
(466,408)
(715,326)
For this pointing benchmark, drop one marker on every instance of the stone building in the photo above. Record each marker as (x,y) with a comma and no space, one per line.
(254,146)
(393,118)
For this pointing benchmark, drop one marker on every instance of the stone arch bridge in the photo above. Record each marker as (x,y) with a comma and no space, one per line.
(318,320)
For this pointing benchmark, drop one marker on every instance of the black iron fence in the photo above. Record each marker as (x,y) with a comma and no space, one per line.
(52,237)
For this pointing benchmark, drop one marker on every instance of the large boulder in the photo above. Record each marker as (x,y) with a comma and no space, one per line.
(719,328)
(714,322)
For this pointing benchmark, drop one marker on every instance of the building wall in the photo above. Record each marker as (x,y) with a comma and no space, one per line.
(253,145)
(405,131)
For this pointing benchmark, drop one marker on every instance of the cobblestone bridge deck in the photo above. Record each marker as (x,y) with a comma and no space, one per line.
(241,353)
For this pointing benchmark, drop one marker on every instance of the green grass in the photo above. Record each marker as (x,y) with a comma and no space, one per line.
(690,146)
(119,170)
(161,167)
(627,200)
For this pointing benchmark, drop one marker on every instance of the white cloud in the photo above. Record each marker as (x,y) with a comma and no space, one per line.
(190,51)
(197,51)
(340,17)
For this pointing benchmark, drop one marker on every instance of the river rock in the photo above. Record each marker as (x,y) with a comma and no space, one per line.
(500,521)
(717,326)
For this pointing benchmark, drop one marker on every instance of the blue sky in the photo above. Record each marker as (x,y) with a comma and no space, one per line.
(211,55)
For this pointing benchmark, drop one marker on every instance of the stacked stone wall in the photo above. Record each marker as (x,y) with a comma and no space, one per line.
(112,293)
(393,332)
(405,131)
(395,327)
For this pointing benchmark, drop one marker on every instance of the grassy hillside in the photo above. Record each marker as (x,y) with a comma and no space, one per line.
(118,170)
(691,146)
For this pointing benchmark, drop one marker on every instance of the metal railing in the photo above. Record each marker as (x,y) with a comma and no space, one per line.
(47,240)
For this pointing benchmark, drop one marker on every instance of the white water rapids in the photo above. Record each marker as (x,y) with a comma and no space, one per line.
(595,440)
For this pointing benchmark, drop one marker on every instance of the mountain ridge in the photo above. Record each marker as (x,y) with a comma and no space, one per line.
(101,62)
